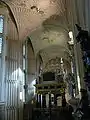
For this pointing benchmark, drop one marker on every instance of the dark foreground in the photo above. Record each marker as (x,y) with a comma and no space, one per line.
(62,113)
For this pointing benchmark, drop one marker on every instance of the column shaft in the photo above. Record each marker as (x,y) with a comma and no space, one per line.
(39,100)
(55,100)
(43,101)
(50,100)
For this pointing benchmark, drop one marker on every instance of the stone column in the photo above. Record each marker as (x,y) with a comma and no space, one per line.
(50,100)
(55,100)
(43,100)
(47,100)
(37,96)
(39,100)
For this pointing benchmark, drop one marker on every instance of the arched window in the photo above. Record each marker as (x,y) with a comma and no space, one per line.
(1,32)
(25,67)
(1,45)
(3,23)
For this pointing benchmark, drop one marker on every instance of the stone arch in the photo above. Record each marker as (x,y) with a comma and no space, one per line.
(39,65)
(11,12)
(31,69)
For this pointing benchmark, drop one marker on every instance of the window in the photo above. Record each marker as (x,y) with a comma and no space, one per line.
(1,24)
(2,65)
(1,40)
(24,67)
(1,32)
(24,57)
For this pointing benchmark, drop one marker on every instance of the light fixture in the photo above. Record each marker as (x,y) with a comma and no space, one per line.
(61,61)
(71,42)
(37,9)
(71,34)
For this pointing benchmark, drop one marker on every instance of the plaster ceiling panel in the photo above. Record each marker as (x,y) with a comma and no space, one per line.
(43,38)
(54,51)
(54,37)
(27,19)
(57,21)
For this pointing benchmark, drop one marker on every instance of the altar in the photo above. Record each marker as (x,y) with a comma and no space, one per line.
(50,94)
(50,84)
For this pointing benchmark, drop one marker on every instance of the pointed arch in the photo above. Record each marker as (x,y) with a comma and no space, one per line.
(29,42)
(12,15)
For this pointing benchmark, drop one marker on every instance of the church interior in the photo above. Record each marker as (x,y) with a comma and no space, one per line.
(44,58)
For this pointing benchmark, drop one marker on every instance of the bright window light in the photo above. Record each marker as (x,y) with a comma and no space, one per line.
(61,60)
(23,49)
(21,96)
(1,24)
(71,34)
(71,42)
(79,86)
(1,42)
(32,85)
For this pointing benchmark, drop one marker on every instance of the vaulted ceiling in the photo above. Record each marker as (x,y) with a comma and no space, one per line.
(46,22)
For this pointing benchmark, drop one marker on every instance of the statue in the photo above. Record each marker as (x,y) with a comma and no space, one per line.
(84,39)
